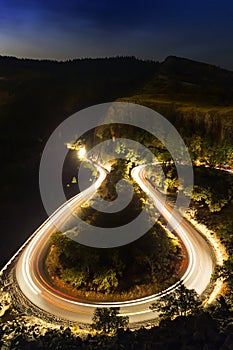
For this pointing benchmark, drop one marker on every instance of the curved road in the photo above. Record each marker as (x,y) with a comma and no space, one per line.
(32,279)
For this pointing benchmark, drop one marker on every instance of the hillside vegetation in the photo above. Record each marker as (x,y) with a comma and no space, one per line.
(198,99)
(35,96)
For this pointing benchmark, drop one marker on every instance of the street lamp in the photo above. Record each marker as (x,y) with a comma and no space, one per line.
(82,152)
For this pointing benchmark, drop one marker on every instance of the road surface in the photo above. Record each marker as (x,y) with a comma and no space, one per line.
(31,276)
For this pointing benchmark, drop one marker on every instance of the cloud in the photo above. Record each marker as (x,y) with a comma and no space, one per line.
(148,29)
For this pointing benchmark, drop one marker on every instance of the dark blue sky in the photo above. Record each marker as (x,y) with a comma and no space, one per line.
(202,30)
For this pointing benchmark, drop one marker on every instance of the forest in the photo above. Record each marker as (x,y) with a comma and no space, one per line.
(35,96)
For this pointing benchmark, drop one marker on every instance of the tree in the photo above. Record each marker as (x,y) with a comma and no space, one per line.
(108,320)
(179,303)
(195,146)
(105,281)
(226,271)
(76,278)
(221,309)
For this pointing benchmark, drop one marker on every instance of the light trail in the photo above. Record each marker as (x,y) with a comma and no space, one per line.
(32,279)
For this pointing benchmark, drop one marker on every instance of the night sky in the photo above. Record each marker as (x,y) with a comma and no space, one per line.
(197,29)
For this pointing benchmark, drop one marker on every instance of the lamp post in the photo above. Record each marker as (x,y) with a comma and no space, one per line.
(82,155)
